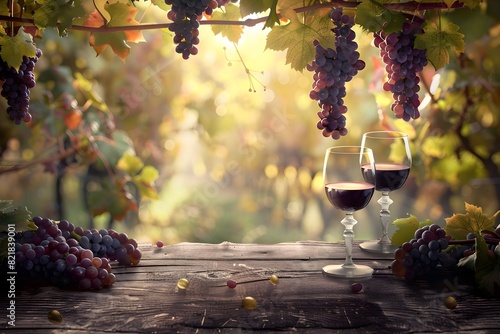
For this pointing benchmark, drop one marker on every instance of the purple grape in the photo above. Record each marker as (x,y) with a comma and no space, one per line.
(333,67)
(16,87)
(64,261)
(403,62)
(185,15)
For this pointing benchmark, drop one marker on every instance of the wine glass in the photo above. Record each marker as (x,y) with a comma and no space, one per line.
(391,150)
(348,190)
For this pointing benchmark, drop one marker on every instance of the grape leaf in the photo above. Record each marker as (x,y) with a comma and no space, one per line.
(99,5)
(121,15)
(113,149)
(14,48)
(487,269)
(112,198)
(298,38)
(473,221)
(129,163)
(439,41)
(406,228)
(161,4)
(248,7)
(58,13)
(273,17)
(231,32)
(372,16)
(86,87)
(19,217)
(145,182)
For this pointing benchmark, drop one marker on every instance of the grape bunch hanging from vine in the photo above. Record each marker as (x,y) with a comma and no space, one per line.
(113,24)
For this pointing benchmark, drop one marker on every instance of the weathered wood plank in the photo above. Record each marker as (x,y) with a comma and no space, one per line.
(145,298)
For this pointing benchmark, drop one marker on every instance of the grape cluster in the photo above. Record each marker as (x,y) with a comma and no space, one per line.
(422,253)
(70,256)
(403,62)
(16,87)
(186,15)
(332,68)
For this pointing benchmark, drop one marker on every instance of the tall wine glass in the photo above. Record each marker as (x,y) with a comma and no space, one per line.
(347,190)
(391,151)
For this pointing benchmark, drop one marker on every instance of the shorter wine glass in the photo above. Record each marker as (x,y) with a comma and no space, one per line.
(348,190)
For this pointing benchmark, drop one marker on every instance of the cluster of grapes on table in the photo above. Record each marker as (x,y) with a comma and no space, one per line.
(16,87)
(432,247)
(69,256)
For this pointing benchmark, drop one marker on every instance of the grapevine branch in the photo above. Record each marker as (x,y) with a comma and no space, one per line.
(407,6)
(59,156)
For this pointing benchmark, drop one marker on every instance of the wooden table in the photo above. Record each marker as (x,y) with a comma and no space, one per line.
(146,299)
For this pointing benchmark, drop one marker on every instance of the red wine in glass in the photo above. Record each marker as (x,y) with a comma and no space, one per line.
(389,176)
(347,190)
(349,196)
(392,156)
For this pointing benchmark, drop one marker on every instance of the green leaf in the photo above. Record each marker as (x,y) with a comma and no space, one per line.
(87,88)
(406,229)
(440,146)
(473,221)
(487,268)
(161,4)
(145,182)
(58,14)
(111,198)
(297,38)
(19,217)
(129,163)
(230,13)
(114,149)
(439,41)
(14,48)
(372,16)
(273,17)
(248,7)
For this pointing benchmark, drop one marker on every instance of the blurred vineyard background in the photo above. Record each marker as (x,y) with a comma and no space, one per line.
(238,153)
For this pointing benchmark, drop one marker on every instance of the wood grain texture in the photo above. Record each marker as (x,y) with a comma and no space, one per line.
(145,298)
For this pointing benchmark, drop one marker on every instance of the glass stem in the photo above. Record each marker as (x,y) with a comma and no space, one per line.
(348,222)
(385,215)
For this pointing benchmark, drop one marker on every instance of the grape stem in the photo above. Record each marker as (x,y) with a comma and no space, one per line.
(406,6)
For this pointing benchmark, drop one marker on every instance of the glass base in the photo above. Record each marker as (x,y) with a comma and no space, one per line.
(378,247)
(338,270)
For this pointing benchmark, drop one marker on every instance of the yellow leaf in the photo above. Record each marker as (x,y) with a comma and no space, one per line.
(130,164)
(100,6)
(473,221)
(145,182)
